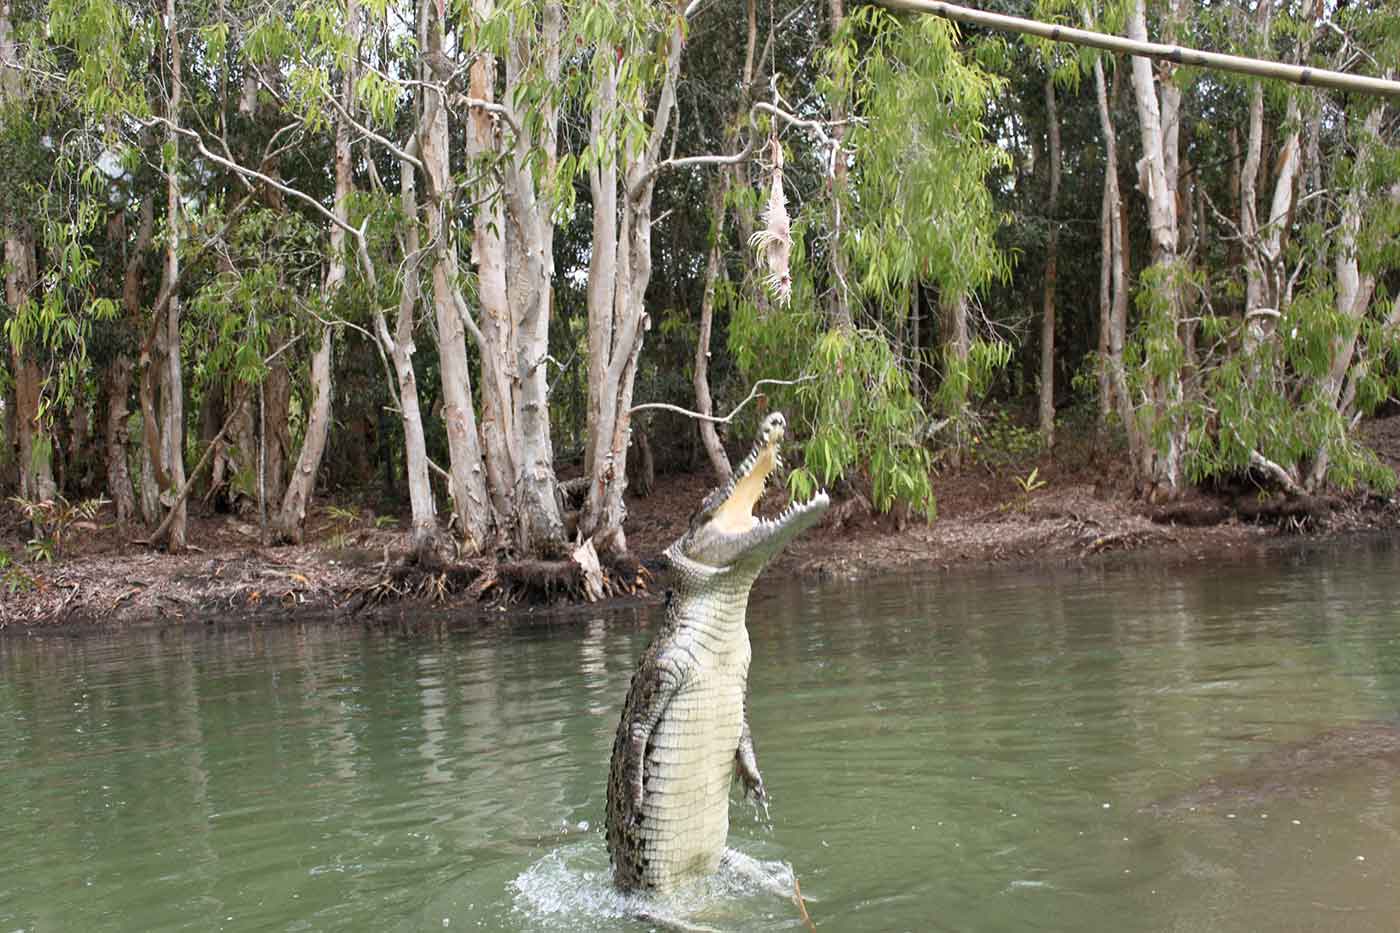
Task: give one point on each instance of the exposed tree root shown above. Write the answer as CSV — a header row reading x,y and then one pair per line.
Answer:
x,y
1286,511
505,583
1296,510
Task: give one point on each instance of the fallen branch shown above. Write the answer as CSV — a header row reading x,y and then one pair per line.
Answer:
x,y
162,532
797,899
1277,473
1179,55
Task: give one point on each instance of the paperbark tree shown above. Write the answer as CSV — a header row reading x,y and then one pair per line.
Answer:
x,y
1354,287
513,248
290,522
119,374
1263,243
1159,121
1052,246
714,261
622,179
1113,282
166,355
399,346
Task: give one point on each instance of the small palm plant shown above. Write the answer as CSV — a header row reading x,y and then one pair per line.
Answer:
x,y
1028,484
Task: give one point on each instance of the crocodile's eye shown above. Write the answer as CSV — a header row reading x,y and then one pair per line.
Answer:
x,y
707,508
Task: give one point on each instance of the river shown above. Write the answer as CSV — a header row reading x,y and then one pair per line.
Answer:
x,y
969,751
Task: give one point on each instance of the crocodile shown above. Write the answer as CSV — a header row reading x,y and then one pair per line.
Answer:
x,y
684,729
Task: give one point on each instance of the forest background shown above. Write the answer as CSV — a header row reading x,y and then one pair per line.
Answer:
x,y
462,260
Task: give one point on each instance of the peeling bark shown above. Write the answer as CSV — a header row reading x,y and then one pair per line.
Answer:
x,y
1159,123
1354,288
169,375
477,512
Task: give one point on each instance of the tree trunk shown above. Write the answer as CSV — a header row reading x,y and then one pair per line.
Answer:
x,y
700,376
538,523
34,450
498,347
32,442
119,374
1159,122
471,496
290,523
211,420
641,467
1113,303
1353,287
1106,261
423,534
170,378
9,456
1052,245
275,452
839,313
709,435
118,473
620,270
1254,292
243,459
150,480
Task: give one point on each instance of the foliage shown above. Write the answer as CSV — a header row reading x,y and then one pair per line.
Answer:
x,y
916,177
918,213
920,210
1000,441
12,577
54,520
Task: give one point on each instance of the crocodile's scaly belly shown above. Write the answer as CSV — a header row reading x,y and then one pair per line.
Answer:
x,y
689,766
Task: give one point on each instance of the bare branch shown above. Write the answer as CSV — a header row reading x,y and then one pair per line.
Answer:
x,y
490,107
753,393
688,161
371,134
246,172
818,126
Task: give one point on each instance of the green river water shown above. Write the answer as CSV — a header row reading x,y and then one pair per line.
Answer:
x,y
1007,751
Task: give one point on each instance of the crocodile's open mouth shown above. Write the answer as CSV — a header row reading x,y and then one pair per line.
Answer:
x,y
735,515
725,533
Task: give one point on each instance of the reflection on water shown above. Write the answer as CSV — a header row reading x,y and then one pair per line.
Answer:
x,y
1129,748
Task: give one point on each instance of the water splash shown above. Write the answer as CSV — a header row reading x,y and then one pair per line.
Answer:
x,y
570,888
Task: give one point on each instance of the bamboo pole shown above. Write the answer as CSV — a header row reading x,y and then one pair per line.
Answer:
x,y
1314,77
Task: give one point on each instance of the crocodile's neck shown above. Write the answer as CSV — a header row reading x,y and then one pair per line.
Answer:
x,y
710,602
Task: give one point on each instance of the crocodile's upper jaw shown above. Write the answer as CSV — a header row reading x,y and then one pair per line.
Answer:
x,y
725,534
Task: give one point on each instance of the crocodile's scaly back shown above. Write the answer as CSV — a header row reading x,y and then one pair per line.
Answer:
x,y
683,730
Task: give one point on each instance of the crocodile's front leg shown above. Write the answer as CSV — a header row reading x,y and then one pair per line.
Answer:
x,y
670,674
747,765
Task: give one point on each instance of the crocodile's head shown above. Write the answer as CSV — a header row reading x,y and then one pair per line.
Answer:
x,y
725,535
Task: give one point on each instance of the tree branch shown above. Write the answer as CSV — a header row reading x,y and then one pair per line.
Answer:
x,y
753,393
